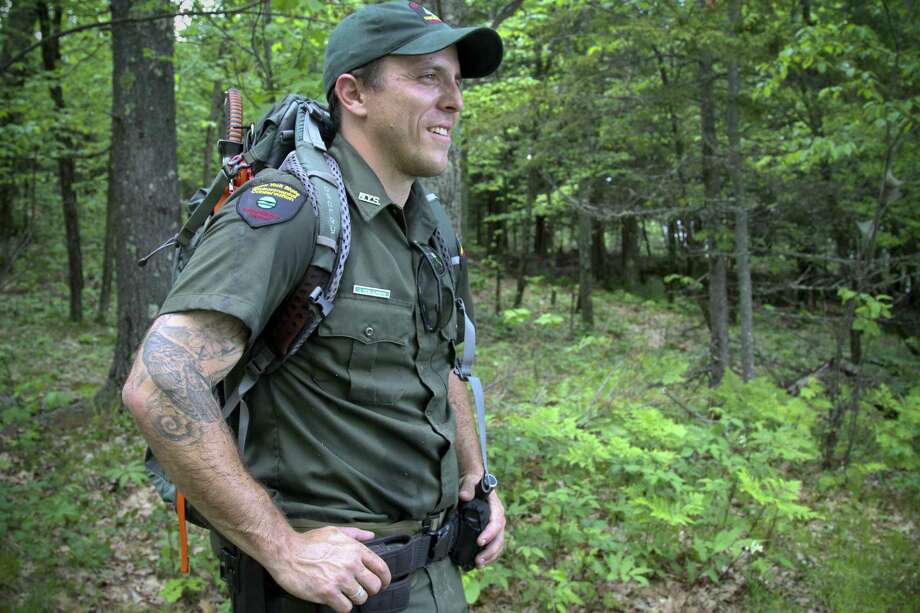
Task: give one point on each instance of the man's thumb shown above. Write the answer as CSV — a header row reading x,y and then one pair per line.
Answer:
x,y
467,491
358,534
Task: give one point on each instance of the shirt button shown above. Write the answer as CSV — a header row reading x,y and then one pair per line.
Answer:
x,y
369,332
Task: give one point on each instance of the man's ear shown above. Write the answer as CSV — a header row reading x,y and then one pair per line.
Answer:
x,y
351,95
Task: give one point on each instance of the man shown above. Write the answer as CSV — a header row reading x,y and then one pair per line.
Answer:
x,y
353,437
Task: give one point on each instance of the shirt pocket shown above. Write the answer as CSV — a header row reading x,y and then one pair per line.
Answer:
x,y
365,345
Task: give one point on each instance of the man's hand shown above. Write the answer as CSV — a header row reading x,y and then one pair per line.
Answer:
x,y
330,566
492,538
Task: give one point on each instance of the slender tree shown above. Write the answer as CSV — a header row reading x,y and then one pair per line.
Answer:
x,y
108,246
16,30
50,22
718,285
585,274
735,171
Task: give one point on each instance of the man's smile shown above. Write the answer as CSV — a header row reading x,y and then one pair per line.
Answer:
x,y
440,131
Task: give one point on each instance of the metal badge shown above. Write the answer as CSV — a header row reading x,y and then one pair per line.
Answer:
x,y
365,197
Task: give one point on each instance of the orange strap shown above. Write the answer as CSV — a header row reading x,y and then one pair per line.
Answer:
x,y
183,534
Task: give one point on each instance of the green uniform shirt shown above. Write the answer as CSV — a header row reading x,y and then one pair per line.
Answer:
x,y
356,426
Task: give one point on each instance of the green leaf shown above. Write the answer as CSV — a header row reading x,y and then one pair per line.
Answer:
x,y
172,590
471,588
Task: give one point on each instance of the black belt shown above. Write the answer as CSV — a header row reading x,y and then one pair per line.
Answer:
x,y
403,554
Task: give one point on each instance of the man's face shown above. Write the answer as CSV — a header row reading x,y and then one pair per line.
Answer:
x,y
411,115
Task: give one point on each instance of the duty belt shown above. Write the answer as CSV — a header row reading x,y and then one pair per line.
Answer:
x,y
403,554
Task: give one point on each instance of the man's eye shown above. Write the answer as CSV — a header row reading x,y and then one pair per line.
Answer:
x,y
428,76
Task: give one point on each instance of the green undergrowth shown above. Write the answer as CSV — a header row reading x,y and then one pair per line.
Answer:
x,y
624,472
627,480
80,528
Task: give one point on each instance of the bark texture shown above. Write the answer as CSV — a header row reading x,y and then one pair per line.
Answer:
x,y
629,256
50,22
16,30
718,290
447,184
585,274
735,171
108,249
144,186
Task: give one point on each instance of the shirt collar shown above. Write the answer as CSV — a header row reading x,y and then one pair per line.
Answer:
x,y
369,197
361,183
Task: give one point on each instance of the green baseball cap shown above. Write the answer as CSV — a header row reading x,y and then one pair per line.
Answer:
x,y
406,28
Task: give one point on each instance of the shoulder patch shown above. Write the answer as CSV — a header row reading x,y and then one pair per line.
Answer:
x,y
270,203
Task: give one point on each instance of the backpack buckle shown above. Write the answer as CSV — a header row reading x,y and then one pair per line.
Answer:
x,y
234,165
318,298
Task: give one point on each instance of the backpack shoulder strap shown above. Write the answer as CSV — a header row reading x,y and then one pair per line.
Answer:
x,y
449,242
311,300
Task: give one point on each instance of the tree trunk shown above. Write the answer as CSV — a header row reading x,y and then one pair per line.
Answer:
x,y
682,182
67,176
498,290
671,240
16,31
145,186
108,249
742,251
447,184
51,55
598,252
467,221
585,274
526,240
718,290
268,70
629,256
539,242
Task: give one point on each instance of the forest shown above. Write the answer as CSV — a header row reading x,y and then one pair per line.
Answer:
x,y
693,228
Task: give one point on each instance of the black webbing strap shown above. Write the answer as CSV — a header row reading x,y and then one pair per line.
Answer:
x,y
203,210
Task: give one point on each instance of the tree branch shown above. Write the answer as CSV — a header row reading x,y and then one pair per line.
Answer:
x,y
247,9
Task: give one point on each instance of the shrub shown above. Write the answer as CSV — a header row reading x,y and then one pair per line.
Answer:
x,y
610,491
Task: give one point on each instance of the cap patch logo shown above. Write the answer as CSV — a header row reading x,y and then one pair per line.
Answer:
x,y
266,202
429,17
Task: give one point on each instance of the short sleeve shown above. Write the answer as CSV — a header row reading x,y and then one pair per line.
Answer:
x,y
246,263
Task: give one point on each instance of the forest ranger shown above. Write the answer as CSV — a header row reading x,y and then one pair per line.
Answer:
x,y
353,437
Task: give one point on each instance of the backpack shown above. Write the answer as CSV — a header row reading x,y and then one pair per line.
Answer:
x,y
292,136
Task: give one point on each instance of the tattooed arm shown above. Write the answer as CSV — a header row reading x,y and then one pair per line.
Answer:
x,y
169,394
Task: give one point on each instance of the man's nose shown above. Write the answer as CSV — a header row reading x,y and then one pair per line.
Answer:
x,y
452,97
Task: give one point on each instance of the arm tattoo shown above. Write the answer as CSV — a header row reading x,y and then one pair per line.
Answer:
x,y
177,372
184,363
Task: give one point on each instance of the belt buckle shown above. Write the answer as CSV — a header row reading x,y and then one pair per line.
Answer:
x,y
441,541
